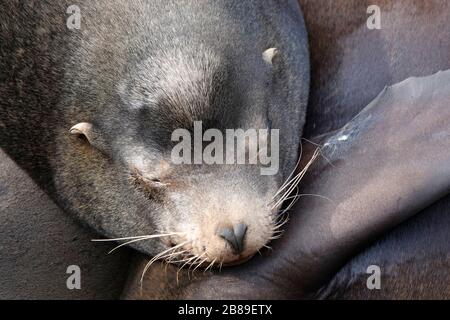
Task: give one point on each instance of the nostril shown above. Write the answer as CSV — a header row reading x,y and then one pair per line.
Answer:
x,y
228,234
235,237
239,231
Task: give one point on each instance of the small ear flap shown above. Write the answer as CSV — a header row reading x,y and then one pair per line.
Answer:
x,y
269,54
83,128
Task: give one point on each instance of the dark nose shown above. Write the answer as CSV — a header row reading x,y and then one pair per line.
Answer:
x,y
234,236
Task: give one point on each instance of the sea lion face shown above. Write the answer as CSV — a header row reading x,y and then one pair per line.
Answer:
x,y
197,212
216,212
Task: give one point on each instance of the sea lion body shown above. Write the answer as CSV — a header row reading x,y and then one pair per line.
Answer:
x,y
41,245
133,73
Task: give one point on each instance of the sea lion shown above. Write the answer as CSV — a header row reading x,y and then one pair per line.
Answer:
x,y
88,112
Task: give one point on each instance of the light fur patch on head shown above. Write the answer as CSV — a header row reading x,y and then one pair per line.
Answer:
x,y
183,81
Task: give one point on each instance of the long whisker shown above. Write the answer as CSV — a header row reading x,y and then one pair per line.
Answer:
x,y
281,223
290,175
187,262
141,239
137,240
290,186
158,256
275,237
310,162
179,261
321,153
174,255
118,239
199,265
312,142
315,195
169,259
169,253
195,261
291,204
137,237
293,201
298,196
124,244
211,264
295,181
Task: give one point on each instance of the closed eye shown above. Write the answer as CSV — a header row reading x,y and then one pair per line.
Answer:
x,y
156,182
146,184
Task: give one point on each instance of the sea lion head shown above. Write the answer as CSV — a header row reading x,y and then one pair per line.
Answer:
x,y
121,176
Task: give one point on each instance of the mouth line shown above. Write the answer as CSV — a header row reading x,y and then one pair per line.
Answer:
x,y
217,264
238,262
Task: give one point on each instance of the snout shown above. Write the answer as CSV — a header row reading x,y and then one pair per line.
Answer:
x,y
225,230
229,243
234,236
